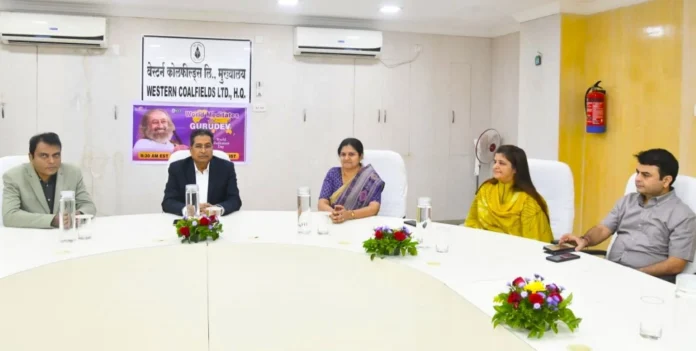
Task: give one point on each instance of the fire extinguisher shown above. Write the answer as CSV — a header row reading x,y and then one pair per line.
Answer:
x,y
595,109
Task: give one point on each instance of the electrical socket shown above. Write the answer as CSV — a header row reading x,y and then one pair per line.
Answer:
x,y
259,107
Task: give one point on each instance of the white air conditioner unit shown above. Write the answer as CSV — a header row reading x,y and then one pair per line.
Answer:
x,y
332,41
37,28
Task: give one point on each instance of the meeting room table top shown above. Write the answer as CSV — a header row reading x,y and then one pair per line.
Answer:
x,y
264,286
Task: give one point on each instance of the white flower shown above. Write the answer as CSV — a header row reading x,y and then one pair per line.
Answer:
x,y
194,223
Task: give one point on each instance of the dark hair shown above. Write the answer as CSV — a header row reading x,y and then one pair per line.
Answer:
x,y
665,162
355,143
201,132
522,180
46,138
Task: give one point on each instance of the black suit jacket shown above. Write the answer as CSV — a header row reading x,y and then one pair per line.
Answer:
x,y
222,185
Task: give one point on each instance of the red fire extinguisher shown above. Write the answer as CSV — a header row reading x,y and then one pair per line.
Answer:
x,y
595,109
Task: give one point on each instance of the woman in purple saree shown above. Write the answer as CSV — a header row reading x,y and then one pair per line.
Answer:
x,y
351,191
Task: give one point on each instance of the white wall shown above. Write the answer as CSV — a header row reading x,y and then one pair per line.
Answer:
x,y
539,91
74,92
506,86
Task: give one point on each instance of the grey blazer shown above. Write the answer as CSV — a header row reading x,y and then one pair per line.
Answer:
x,y
24,204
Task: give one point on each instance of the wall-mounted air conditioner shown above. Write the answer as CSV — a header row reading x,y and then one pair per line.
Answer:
x,y
332,41
37,28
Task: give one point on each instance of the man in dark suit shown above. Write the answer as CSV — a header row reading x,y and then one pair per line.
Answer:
x,y
215,177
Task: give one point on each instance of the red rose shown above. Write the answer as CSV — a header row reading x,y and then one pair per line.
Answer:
x,y
514,297
213,219
536,298
184,231
379,235
517,281
400,236
204,221
560,298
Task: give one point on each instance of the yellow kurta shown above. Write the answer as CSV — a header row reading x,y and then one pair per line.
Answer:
x,y
498,208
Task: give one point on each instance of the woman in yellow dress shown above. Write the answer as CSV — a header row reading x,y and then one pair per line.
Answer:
x,y
508,202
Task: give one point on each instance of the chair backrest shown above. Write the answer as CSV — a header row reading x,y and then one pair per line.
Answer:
x,y
182,154
684,188
554,181
392,170
7,163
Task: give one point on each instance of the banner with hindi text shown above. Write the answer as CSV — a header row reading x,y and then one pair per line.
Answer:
x,y
195,70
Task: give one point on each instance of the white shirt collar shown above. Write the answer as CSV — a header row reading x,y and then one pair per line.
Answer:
x,y
206,171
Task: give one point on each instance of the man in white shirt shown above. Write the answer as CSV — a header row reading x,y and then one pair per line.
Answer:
x,y
157,130
215,177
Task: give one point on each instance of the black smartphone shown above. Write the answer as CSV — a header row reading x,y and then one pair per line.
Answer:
x,y
559,249
562,257
412,223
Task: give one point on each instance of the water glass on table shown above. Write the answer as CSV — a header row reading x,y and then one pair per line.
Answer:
x,y
216,211
651,315
442,238
84,226
323,222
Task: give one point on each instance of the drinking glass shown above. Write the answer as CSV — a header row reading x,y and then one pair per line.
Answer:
x,y
323,223
84,226
216,211
651,310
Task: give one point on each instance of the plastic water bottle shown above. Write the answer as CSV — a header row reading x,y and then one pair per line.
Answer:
x,y
423,219
66,216
304,211
684,319
192,203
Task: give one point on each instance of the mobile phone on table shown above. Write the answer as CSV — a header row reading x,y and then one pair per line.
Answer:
x,y
412,223
562,257
559,249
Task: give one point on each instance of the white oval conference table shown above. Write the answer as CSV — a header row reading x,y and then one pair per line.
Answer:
x,y
262,286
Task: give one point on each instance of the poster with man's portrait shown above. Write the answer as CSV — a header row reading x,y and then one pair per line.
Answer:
x,y
162,129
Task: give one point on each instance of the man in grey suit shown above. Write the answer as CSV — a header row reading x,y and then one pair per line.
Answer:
x,y
32,191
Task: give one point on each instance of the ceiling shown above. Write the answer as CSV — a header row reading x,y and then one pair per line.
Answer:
x,y
482,18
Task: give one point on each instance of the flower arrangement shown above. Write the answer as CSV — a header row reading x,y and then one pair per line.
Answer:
x,y
388,241
195,229
535,306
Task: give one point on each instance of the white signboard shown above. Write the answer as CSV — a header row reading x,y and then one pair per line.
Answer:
x,y
194,70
